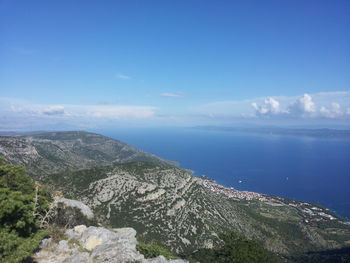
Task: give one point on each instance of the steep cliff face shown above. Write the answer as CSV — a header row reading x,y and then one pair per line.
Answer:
x,y
56,152
165,203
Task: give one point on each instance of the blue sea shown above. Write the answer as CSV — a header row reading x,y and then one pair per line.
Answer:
x,y
302,168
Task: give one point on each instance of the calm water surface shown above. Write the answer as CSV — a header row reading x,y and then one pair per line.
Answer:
x,y
308,169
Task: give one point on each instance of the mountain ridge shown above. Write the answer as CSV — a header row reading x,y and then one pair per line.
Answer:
x,y
166,203
54,152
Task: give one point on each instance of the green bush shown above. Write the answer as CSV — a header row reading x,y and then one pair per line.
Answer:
x,y
338,255
68,217
57,233
21,201
153,250
235,249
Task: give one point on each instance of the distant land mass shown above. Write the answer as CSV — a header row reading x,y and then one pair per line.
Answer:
x,y
19,133
165,203
54,152
318,133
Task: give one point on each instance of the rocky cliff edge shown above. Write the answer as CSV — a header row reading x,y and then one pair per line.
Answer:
x,y
95,245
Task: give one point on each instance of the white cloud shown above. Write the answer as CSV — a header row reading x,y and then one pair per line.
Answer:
x,y
332,105
57,110
25,109
323,107
122,76
333,112
173,95
302,106
270,106
71,111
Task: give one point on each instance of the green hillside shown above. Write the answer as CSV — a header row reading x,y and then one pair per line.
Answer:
x,y
166,204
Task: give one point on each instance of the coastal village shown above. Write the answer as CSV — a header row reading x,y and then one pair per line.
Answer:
x,y
312,215
231,192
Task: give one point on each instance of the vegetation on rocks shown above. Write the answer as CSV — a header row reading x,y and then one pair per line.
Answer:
x,y
178,210
57,152
153,250
235,249
128,188
22,208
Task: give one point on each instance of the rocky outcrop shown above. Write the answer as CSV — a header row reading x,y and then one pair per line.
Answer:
x,y
83,208
95,245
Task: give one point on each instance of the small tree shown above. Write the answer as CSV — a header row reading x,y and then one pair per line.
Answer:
x,y
21,205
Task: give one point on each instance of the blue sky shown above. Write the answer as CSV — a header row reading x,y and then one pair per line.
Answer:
x,y
81,64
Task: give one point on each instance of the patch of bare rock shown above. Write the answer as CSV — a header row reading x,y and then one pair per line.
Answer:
x,y
95,245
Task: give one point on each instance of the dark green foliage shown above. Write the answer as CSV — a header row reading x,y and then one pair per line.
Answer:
x,y
152,250
235,249
72,182
341,255
16,213
68,217
76,182
12,177
19,231
296,240
14,248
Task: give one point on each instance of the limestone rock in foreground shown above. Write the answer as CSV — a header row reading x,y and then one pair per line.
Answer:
x,y
95,245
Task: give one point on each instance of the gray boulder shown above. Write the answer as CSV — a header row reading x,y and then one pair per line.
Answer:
x,y
162,259
95,245
79,258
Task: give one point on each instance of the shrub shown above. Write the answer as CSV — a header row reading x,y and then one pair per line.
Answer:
x,y
20,203
235,249
153,250
68,217
57,233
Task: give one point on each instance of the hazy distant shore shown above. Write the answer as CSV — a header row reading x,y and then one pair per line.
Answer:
x,y
318,133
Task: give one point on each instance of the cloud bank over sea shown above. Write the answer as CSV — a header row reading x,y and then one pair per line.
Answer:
x,y
321,108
